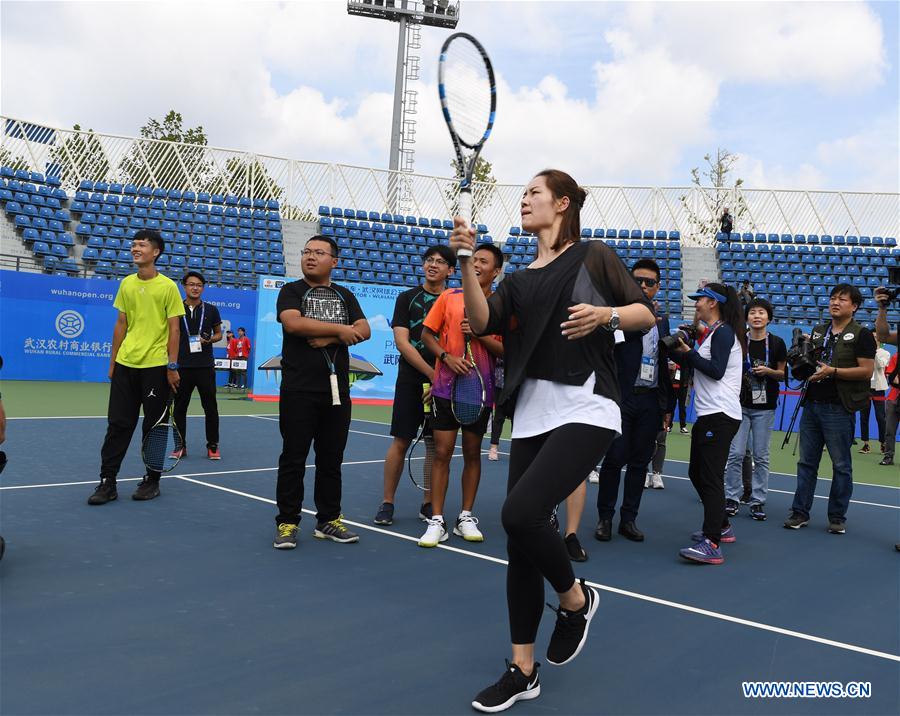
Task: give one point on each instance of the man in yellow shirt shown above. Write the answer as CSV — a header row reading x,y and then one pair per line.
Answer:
x,y
143,363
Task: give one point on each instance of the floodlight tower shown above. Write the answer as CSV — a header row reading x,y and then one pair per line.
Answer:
x,y
409,14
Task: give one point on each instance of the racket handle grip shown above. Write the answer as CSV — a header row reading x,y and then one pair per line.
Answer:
x,y
465,211
335,395
425,388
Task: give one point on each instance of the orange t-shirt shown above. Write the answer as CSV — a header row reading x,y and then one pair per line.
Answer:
x,y
444,320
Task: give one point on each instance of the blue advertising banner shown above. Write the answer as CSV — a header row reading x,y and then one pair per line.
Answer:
x,y
60,328
377,303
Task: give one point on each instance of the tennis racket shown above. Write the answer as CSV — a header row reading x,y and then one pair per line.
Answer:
x,y
158,450
467,396
323,303
469,101
421,453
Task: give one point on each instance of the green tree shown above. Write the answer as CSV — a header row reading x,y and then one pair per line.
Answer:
x,y
168,155
483,182
714,193
81,156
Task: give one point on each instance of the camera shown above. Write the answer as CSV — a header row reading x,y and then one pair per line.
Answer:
x,y
801,357
686,332
893,290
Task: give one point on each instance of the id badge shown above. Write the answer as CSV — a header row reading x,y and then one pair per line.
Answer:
x,y
194,344
647,369
760,394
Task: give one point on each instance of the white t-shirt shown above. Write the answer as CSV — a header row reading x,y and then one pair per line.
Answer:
x,y
543,406
879,380
724,395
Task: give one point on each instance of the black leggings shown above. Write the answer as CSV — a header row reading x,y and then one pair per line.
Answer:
x,y
710,442
497,424
543,471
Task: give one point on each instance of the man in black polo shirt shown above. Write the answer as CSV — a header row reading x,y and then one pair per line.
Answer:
x,y
306,414
201,326
836,391
647,404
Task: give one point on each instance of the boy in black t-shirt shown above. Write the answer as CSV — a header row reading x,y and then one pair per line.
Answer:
x,y
763,371
306,414
201,326
416,369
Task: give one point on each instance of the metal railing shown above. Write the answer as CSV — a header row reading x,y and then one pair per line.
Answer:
x,y
302,186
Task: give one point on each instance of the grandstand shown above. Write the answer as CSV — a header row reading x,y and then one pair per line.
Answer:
x,y
62,215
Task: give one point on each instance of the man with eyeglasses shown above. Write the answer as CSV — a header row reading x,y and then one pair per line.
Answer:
x,y
306,414
647,405
201,326
415,371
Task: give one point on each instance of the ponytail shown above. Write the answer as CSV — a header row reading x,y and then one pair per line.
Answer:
x,y
732,313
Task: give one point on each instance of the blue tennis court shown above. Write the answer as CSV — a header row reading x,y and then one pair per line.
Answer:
x,y
182,606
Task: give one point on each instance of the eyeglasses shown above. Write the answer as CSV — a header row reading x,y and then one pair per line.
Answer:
x,y
648,282
318,253
434,261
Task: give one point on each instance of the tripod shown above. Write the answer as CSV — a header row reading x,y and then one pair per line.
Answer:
x,y
790,430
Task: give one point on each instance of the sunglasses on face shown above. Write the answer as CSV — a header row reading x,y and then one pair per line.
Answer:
x,y
648,282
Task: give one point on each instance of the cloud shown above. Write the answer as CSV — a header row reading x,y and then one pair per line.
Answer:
x,y
869,158
304,80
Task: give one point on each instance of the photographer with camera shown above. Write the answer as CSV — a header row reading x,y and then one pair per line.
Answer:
x,y
718,366
883,332
845,354
764,369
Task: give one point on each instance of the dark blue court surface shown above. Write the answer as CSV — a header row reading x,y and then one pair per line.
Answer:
x,y
182,606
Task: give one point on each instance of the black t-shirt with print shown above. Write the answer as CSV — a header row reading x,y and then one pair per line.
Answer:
x,y
756,352
304,368
410,310
190,325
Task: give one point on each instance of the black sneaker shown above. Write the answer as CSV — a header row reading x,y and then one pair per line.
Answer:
x,y
745,498
425,512
513,686
571,628
837,527
147,489
574,548
887,460
731,507
758,511
385,514
105,492
796,521
285,536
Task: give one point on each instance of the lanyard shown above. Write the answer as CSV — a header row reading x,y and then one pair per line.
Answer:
x,y
766,339
187,328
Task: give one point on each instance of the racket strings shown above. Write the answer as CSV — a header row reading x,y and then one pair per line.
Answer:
x,y
158,445
467,91
468,397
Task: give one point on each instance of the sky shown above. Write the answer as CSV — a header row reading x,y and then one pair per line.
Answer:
x,y
805,94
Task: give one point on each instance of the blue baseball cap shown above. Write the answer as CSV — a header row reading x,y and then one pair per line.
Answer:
x,y
707,292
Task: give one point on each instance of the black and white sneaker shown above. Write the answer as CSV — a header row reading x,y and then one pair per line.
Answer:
x,y
513,686
571,628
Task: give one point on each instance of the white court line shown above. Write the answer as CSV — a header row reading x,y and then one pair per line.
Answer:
x,y
614,590
102,417
196,474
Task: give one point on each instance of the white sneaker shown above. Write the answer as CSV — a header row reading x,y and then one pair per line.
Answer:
x,y
648,480
657,482
493,456
594,477
467,528
434,533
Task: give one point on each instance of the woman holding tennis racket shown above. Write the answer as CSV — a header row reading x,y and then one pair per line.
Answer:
x,y
557,320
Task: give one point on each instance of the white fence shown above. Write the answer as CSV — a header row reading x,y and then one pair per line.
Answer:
x,y
301,187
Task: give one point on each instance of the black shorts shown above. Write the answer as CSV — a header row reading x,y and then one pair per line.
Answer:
x,y
444,419
409,410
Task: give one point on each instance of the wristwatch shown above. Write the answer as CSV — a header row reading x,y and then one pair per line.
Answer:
x,y
613,324
172,366
442,356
